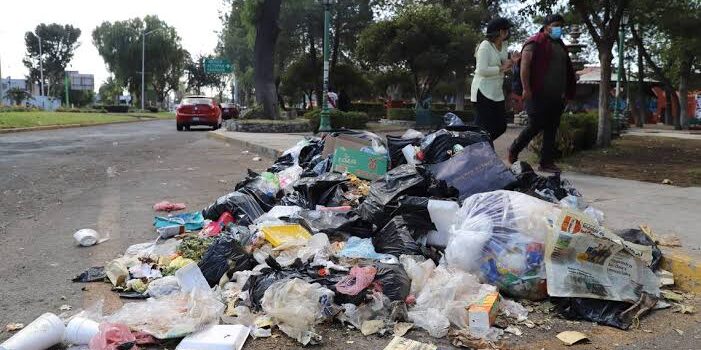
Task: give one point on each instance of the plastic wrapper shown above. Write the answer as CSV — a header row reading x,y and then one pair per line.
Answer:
x,y
288,177
358,279
393,281
113,336
500,236
227,253
296,306
191,221
405,179
242,206
172,316
163,286
361,248
476,169
418,272
400,236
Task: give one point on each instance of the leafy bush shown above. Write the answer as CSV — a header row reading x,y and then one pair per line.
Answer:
x,y
374,110
255,112
339,119
577,133
18,109
401,114
152,109
116,108
81,110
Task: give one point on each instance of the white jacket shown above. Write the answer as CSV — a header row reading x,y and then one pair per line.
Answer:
x,y
487,77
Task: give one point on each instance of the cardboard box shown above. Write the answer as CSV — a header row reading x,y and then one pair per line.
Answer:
x,y
361,164
483,313
333,142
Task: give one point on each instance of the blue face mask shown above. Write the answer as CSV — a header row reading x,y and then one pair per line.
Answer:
x,y
556,33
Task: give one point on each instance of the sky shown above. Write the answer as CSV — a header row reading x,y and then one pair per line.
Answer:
x,y
197,23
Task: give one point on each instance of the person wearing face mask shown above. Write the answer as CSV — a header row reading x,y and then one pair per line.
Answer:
x,y
548,79
486,92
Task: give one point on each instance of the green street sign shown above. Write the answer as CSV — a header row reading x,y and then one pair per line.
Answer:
x,y
217,65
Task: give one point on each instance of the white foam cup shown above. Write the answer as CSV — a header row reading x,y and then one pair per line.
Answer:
x,y
80,330
44,332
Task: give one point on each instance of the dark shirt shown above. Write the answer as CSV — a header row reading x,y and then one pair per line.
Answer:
x,y
555,79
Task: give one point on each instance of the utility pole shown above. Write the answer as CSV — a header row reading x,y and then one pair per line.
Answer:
x,y
143,62
325,122
41,72
619,73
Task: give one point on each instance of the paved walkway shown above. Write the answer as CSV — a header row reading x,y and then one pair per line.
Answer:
x,y
677,134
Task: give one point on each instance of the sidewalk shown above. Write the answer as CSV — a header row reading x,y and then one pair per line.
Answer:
x,y
626,203
678,134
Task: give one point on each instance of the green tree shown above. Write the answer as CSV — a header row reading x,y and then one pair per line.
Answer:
x,y
110,91
18,95
197,78
120,44
58,44
421,40
79,98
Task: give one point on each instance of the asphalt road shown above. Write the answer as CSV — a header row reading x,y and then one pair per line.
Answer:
x,y
53,183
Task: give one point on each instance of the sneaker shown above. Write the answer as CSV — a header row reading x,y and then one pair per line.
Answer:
x,y
513,157
549,168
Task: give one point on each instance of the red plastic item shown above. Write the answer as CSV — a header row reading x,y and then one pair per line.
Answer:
x,y
168,206
214,228
420,155
111,336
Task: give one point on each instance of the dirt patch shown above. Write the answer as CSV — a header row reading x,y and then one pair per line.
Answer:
x,y
642,158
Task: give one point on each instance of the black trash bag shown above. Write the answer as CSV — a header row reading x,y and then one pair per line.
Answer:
x,y
241,205
395,145
93,274
637,236
450,119
402,180
226,254
415,206
309,152
282,163
321,189
617,314
393,280
256,285
548,188
295,199
400,235
264,201
441,148
476,169
332,223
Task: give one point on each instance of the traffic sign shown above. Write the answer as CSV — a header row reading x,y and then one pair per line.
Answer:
x,y
217,65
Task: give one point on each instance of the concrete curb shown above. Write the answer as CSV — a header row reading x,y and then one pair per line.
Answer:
x,y
686,268
68,126
258,149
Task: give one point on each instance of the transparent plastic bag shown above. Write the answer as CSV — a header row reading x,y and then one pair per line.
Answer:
x,y
412,134
287,177
419,272
295,307
163,286
432,320
500,236
172,316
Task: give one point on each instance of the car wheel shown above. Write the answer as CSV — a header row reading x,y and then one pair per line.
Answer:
x,y
187,127
179,127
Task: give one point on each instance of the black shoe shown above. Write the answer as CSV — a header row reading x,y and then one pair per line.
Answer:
x,y
549,168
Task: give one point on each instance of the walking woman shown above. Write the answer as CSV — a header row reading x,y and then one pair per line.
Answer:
x,y
487,85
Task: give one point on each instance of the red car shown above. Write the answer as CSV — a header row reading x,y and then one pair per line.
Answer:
x,y
198,110
229,111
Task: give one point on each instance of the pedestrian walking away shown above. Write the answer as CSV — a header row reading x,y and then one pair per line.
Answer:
x,y
548,79
487,86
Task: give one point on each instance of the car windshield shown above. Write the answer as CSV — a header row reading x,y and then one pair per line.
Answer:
x,y
196,101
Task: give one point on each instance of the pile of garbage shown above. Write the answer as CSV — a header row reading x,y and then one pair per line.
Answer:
x,y
427,231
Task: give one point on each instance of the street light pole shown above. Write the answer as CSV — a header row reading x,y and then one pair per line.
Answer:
x,y
41,71
325,122
619,72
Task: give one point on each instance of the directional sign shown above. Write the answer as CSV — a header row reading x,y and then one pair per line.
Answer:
x,y
217,65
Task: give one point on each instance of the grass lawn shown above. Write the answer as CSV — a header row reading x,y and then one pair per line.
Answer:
x,y
9,120
643,158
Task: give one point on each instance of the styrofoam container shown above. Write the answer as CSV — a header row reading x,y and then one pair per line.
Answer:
x,y
219,337
86,237
80,330
44,332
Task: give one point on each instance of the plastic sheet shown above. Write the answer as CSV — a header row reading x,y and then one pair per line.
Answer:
x,y
226,254
361,248
191,221
242,206
171,316
392,281
500,236
163,286
321,190
476,169
288,177
395,146
296,307
358,279
400,236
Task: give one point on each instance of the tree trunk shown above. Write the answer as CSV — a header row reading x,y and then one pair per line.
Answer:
x,y
336,44
603,136
642,113
313,58
668,92
684,72
461,77
264,53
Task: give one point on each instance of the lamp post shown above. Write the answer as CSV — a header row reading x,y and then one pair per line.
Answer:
x,y
41,71
325,123
143,62
619,72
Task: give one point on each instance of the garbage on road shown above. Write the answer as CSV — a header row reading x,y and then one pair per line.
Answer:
x,y
88,237
427,232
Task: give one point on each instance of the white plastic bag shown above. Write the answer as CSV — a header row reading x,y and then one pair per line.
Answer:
x,y
288,177
419,272
163,286
295,307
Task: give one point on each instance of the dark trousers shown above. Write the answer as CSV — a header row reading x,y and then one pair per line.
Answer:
x,y
543,115
491,116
